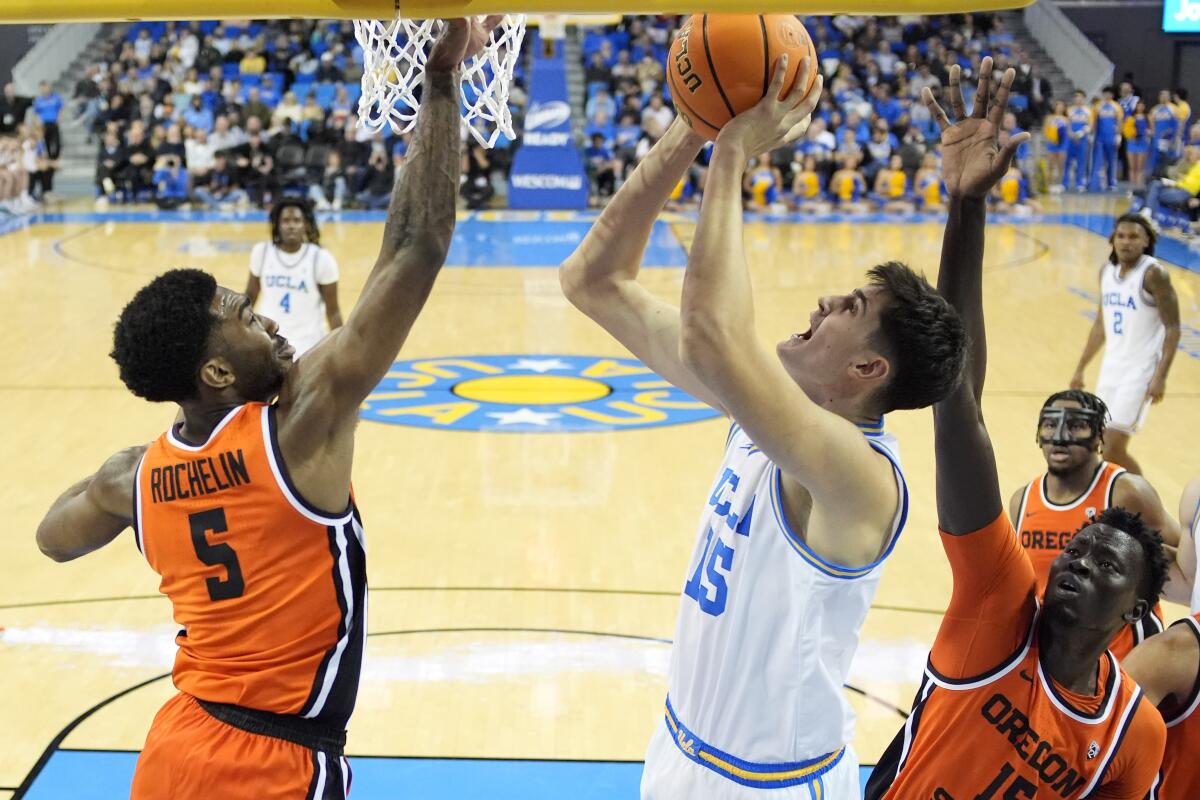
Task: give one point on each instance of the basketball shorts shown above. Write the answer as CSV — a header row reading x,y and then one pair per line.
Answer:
x,y
191,755
1124,392
670,775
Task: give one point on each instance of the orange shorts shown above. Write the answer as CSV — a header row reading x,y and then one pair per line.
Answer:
x,y
191,755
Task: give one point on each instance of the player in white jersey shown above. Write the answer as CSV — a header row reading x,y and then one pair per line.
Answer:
x,y
809,499
1137,323
293,279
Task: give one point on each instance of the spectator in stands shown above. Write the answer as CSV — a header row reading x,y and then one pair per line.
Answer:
x,y
623,68
601,102
377,180
257,163
1180,191
198,116
656,117
650,73
199,157
111,161
597,71
341,108
170,182
223,186
139,162
330,191
880,148
225,134
288,114
172,144
86,99
923,79
253,63
601,168
269,92
327,70
12,110
256,108
48,106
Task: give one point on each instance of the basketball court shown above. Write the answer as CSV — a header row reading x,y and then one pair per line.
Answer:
x,y
529,491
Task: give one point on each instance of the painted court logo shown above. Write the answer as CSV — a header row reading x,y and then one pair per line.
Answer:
x,y
545,393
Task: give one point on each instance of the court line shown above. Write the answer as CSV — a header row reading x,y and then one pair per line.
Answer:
x,y
514,589
53,746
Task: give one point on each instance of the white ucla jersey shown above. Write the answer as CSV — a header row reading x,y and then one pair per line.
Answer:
x,y
1133,329
1196,544
767,628
290,292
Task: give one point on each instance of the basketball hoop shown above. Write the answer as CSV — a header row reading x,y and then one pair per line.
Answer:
x,y
394,55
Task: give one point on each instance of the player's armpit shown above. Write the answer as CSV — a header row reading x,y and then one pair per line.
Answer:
x,y
992,604
1134,768
94,511
1165,665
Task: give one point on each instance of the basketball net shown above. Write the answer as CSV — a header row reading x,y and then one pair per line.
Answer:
x,y
394,55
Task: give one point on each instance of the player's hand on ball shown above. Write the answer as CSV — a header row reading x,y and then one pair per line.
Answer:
x,y
461,39
972,159
775,121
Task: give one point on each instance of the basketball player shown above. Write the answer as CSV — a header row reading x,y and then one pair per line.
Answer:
x,y
1018,700
295,277
1168,669
1078,484
1137,323
245,508
809,500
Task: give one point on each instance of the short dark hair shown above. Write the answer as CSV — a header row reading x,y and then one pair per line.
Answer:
x,y
1135,219
1155,562
922,337
1085,399
162,335
311,231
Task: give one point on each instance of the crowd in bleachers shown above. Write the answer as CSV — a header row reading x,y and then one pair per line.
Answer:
x,y
1122,135
872,144
236,112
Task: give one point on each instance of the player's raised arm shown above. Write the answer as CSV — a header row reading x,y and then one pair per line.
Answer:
x,y
968,490
416,240
94,511
600,277
824,452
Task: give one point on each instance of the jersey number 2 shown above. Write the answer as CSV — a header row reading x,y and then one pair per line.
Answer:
x,y
213,554
1118,323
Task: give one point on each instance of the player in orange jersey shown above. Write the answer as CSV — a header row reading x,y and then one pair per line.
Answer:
x,y
1168,669
1077,485
244,506
1017,700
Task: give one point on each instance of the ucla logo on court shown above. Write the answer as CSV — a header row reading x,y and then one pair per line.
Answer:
x,y
544,393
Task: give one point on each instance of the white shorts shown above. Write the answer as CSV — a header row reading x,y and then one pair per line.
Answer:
x,y
1124,392
670,775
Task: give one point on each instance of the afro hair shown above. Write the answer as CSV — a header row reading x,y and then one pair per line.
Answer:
x,y
1154,559
162,335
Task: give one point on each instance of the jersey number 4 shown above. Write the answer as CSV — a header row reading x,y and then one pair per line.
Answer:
x,y
217,554
286,303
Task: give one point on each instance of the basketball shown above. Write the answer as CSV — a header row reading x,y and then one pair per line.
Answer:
x,y
722,64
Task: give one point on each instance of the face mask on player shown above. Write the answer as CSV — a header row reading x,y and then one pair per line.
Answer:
x,y
1063,427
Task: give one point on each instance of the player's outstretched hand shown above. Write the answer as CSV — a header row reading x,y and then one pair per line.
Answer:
x,y
777,119
972,159
460,39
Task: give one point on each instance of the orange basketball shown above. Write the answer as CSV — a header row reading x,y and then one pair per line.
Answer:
x,y
722,64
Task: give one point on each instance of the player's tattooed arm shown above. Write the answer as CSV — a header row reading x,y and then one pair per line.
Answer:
x,y
1158,284
968,487
94,511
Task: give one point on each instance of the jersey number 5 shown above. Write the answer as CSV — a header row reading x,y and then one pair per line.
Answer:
x,y
213,554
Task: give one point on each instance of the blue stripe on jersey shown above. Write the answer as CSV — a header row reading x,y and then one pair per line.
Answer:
x,y
828,567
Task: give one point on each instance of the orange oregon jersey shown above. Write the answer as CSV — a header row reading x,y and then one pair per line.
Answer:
x,y
1046,527
993,725
1180,775
270,591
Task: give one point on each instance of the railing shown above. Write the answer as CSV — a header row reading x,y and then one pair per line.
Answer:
x,y
52,54
1081,61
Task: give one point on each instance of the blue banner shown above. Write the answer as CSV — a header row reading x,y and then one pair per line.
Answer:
x,y
1181,16
547,171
